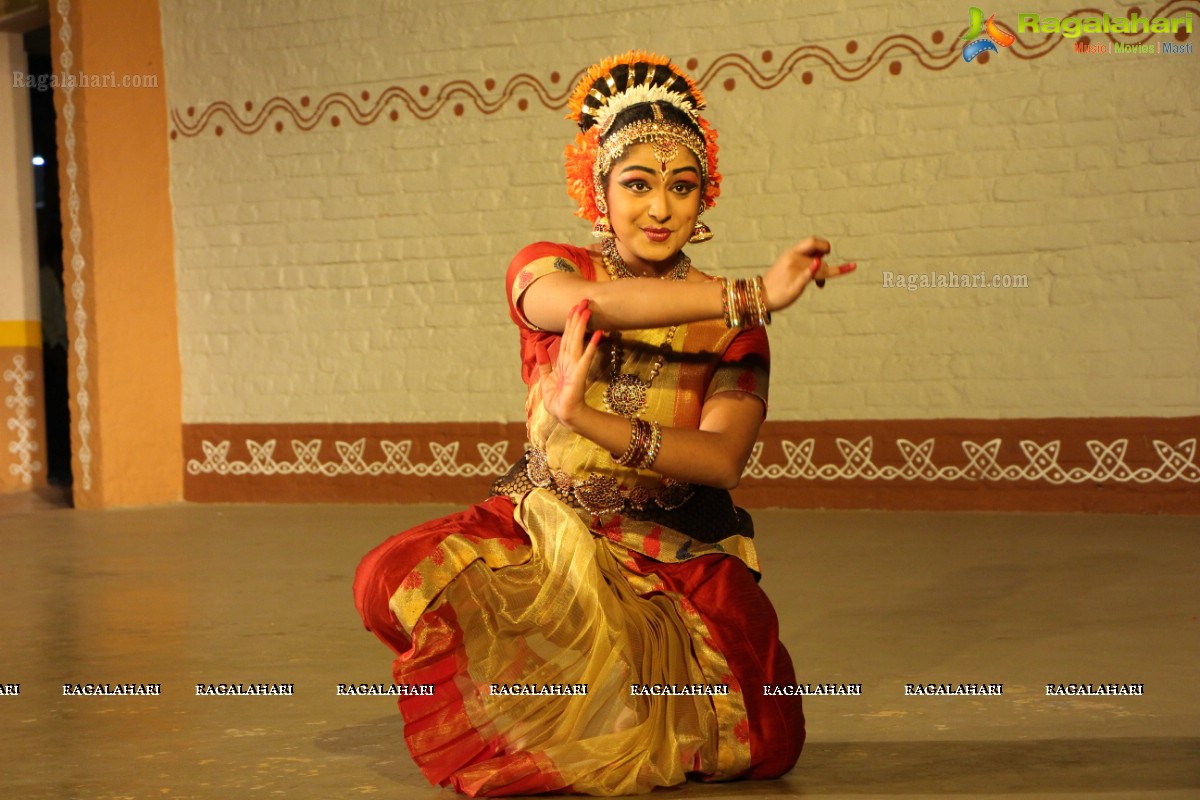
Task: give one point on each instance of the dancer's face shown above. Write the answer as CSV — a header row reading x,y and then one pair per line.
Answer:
x,y
653,206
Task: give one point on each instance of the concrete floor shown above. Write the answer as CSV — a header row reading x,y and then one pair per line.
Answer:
x,y
191,594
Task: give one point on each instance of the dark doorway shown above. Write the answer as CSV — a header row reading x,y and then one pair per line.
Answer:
x,y
50,259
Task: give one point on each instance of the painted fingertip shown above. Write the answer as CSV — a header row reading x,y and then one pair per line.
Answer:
x,y
844,268
596,337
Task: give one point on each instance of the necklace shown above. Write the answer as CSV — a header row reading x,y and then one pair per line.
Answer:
x,y
627,394
617,268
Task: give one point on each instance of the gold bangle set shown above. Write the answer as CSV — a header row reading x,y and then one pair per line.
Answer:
x,y
645,439
744,303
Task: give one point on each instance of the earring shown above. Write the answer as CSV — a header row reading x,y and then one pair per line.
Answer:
x,y
700,233
602,230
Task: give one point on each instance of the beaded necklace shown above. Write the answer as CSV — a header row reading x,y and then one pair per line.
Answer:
x,y
617,268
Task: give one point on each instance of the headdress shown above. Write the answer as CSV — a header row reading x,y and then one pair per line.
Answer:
x,y
622,82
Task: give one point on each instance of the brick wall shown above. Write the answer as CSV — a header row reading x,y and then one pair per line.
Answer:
x,y
350,180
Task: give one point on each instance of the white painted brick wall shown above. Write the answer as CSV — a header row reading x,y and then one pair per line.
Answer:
x,y
356,273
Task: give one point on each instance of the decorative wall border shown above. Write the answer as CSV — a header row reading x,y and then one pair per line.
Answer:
x,y
22,421
1177,462
80,414
367,108
1122,464
308,459
1042,463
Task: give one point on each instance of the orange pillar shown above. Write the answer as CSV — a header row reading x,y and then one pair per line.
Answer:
x,y
119,269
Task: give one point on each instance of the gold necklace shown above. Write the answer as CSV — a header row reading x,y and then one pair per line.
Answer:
x,y
627,394
616,267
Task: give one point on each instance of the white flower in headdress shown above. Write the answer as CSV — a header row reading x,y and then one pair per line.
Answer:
x,y
642,94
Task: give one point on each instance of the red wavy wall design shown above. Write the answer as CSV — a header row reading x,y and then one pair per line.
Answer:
x,y
766,70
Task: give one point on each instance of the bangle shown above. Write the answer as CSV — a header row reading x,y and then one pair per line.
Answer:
x,y
639,440
645,440
743,303
727,304
760,296
655,445
739,302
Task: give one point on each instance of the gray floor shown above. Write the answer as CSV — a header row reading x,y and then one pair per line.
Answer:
x,y
190,594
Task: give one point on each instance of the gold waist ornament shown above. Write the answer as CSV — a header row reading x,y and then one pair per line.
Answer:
x,y
602,494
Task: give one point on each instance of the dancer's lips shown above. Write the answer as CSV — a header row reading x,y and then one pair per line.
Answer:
x,y
657,234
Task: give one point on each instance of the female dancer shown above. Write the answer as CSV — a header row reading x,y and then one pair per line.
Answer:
x,y
596,625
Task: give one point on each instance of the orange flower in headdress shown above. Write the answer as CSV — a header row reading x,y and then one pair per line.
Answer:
x,y
581,157
712,187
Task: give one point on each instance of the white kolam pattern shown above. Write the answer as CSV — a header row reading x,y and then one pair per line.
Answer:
x,y
1177,462
21,421
397,460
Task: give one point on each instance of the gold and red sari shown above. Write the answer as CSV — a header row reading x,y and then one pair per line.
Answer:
x,y
590,628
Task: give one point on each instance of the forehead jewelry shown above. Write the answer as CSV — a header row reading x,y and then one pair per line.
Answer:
x,y
665,150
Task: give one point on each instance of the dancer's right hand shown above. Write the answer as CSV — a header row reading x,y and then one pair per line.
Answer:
x,y
564,384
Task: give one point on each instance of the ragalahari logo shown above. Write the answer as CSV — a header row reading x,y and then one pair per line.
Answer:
x,y
995,36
